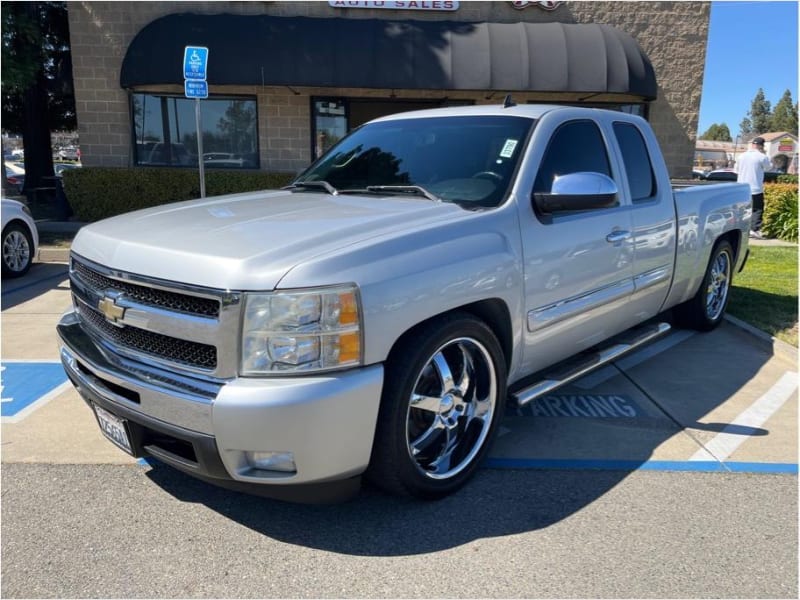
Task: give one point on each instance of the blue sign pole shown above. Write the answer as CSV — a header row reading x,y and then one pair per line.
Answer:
x,y
195,63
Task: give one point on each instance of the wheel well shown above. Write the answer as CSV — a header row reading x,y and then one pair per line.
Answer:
x,y
493,312
20,222
734,239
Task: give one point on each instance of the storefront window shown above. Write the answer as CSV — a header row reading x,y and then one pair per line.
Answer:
x,y
166,134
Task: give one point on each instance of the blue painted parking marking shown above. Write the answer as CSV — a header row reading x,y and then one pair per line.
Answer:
x,y
24,386
636,465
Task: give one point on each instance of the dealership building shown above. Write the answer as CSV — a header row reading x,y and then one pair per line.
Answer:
x,y
287,79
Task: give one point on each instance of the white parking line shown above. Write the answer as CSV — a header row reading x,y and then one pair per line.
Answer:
x,y
725,443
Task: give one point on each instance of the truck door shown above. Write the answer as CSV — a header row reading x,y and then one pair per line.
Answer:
x,y
653,215
578,264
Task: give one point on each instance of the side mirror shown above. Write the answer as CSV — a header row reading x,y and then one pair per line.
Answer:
x,y
578,191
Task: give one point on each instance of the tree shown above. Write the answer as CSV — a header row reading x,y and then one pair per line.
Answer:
x,y
784,117
760,113
238,126
717,133
36,80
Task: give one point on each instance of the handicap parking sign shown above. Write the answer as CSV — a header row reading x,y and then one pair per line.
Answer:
x,y
195,61
26,385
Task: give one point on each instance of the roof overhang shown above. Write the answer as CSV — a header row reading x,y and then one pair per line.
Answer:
x,y
373,53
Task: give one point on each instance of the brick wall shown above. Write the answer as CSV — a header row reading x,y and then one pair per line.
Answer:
x,y
672,34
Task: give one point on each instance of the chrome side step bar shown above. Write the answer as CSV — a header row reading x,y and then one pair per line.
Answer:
x,y
572,370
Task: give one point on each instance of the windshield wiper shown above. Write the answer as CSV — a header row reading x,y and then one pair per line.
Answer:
x,y
404,189
320,185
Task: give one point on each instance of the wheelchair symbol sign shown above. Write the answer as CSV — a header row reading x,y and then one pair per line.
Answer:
x,y
195,62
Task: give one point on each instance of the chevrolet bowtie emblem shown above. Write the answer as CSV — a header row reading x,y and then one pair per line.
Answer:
x,y
112,312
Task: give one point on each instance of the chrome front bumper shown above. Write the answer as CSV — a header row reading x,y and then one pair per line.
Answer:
x,y
205,427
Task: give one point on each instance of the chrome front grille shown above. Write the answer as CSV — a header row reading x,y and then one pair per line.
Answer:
x,y
156,345
185,303
182,328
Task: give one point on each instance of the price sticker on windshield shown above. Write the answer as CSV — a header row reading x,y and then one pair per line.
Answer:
x,y
508,149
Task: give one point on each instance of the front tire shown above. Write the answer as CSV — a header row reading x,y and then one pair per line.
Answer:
x,y
17,250
705,311
443,399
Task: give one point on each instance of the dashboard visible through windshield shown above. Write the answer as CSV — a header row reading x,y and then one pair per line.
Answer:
x,y
468,160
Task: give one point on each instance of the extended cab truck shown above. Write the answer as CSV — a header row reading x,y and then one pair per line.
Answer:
x,y
375,316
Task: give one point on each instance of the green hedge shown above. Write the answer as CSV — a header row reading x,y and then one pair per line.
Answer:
x,y
780,211
787,179
98,192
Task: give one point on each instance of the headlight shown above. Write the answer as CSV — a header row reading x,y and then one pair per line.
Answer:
x,y
303,330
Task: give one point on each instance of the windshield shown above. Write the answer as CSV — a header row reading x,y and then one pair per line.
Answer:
x,y
467,160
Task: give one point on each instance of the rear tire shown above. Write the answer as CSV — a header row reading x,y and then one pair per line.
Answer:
x,y
17,250
706,310
443,399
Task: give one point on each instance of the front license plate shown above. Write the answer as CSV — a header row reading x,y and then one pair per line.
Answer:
x,y
113,428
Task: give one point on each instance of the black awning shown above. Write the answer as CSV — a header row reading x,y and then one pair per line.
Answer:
x,y
372,53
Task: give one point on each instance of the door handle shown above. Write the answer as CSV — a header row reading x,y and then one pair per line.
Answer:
x,y
618,236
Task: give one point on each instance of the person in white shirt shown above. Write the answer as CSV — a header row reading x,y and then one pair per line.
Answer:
x,y
750,168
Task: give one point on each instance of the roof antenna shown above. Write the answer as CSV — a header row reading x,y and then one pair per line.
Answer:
x,y
508,102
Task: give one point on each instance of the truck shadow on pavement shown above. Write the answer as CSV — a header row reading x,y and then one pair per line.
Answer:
x,y
494,503
684,384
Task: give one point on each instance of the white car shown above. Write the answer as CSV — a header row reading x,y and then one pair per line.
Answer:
x,y
20,238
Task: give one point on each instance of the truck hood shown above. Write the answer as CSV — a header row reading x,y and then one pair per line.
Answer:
x,y
249,241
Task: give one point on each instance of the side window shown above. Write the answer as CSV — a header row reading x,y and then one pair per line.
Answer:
x,y
641,178
575,146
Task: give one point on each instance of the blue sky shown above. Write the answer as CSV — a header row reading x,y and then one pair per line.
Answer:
x,y
751,45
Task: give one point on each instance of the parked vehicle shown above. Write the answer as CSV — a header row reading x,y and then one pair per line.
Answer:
x,y
59,168
15,174
222,160
375,317
169,154
731,175
69,153
20,238
721,175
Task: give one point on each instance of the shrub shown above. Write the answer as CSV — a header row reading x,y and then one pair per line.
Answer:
x,y
787,179
98,192
780,211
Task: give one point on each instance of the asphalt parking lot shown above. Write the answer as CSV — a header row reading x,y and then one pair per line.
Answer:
x,y
695,430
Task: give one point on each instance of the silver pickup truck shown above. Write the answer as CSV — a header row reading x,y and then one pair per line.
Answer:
x,y
375,317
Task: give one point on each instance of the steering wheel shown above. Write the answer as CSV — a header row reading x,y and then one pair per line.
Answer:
x,y
487,175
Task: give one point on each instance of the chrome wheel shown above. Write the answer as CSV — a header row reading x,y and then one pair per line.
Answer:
x,y
16,251
451,409
444,394
718,285
705,310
